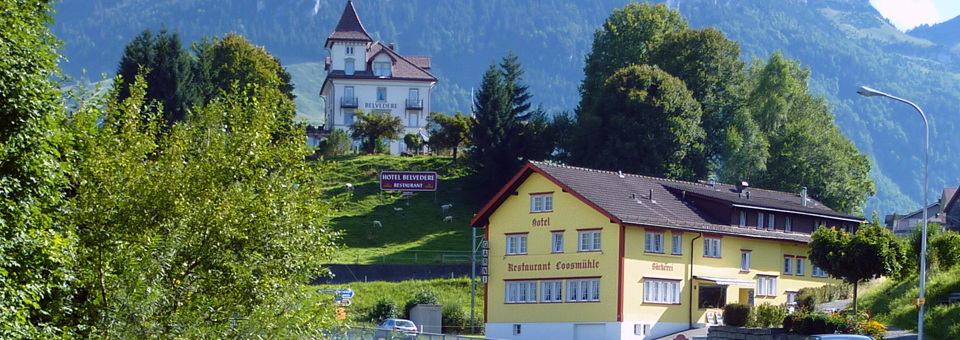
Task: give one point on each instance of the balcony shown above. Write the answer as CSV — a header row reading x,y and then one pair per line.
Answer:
x,y
415,104
349,102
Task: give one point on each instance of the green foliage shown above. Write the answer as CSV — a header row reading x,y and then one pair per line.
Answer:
x,y
811,297
947,249
455,318
375,129
448,132
422,297
737,315
36,247
413,142
385,308
892,302
337,143
769,316
183,229
496,153
168,68
642,98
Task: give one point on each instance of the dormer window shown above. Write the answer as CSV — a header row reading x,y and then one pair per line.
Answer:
x,y
348,67
349,50
381,68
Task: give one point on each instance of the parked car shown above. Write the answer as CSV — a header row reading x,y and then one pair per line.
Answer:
x,y
396,326
839,337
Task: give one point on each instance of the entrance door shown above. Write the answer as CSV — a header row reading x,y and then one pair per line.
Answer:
x,y
589,331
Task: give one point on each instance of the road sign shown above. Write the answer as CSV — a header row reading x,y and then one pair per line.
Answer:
x,y
483,261
483,270
326,291
345,293
342,313
408,180
484,244
344,302
483,279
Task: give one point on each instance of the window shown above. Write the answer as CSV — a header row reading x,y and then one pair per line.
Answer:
x,y
788,265
381,93
767,286
551,291
661,291
677,244
787,226
521,292
349,50
541,203
348,118
743,218
712,296
771,225
348,67
653,242
759,220
413,120
589,240
381,68
791,298
348,92
801,264
745,260
583,290
817,272
557,242
516,244
516,329
414,94
711,247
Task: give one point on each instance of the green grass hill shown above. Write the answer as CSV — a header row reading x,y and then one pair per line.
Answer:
x,y
891,303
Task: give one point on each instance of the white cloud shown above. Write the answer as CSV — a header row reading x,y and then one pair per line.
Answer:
x,y
907,14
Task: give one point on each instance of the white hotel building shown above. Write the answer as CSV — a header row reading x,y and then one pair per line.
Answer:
x,y
366,75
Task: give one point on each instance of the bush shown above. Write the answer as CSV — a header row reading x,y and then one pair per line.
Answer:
x,y
875,329
337,143
811,297
946,248
423,297
737,315
769,316
385,308
455,318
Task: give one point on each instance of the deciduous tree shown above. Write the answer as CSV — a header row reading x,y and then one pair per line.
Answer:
x,y
448,132
370,127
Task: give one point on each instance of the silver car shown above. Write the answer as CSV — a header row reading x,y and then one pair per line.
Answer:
x,y
396,326
839,337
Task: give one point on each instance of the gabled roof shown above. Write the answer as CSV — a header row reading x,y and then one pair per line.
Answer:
x,y
403,69
421,61
656,202
951,203
947,197
349,28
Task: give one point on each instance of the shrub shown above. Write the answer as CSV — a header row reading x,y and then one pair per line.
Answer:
x,y
946,248
423,297
455,318
385,308
337,143
769,316
811,297
737,315
875,329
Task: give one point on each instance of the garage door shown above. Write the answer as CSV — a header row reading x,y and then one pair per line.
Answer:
x,y
588,331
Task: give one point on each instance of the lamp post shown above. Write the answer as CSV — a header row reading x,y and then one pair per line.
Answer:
x,y
868,92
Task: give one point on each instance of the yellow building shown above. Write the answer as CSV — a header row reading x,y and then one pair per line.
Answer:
x,y
578,253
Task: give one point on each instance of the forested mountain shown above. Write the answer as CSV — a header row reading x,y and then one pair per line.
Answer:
x,y
846,43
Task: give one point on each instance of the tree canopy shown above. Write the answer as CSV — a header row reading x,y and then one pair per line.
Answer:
x,y
374,126
448,132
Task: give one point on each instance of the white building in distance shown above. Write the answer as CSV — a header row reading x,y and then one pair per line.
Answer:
x,y
366,75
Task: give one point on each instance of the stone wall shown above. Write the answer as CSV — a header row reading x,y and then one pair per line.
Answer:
x,y
738,333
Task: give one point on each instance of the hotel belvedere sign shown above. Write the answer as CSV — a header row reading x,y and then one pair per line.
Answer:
x,y
408,180
380,105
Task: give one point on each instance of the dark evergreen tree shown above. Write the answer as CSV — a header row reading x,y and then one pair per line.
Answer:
x,y
512,77
168,69
496,154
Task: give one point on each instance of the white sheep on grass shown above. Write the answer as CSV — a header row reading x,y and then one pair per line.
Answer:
x,y
397,209
448,219
376,224
446,207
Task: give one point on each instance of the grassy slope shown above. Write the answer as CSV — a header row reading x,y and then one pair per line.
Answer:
x,y
417,234
892,303
307,78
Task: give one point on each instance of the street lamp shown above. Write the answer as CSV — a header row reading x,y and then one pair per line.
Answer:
x,y
868,92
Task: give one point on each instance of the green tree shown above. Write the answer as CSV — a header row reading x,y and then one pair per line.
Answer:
x,y
644,121
448,132
219,217
373,126
871,252
413,142
234,59
513,77
496,153
337,143
36,249
169,71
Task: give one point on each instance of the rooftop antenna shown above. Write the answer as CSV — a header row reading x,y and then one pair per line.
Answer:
x,y
620,174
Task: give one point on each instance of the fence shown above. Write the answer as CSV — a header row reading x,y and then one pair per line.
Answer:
x,y
416,257
368,333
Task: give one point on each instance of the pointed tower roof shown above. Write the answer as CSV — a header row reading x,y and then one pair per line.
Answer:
x,y
349,28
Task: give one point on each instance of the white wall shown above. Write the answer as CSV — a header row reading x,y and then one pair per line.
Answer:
x,y
568,331
365,90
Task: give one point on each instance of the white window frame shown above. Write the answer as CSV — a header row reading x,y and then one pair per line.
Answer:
x,y
551,291
661,291
760,220
676,244
349,50
801,266
383,91
583,290
516,244
541,203
743,218
817,272
653,242
414,94
772,225
788,226
788,265
556,242
348,118
745,260
766,286
588,240
382,68
520,292
349,66
413,120
791,298
712,247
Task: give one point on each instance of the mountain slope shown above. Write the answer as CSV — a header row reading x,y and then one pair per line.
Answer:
x,y
944,33
845,42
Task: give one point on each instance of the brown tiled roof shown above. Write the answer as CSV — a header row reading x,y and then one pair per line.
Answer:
x,y
421,61
349,27
759,198
403,69
626,198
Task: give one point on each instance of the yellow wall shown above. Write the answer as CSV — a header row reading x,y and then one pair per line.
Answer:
x,y
569,214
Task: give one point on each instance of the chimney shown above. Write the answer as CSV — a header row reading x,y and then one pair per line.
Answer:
x,y
742,185
391,46
748,195
803,196
651,194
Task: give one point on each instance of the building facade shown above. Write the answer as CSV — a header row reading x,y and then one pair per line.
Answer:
x,y
369,76
578,253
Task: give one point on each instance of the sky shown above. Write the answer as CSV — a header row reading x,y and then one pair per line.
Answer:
x,y
907,14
